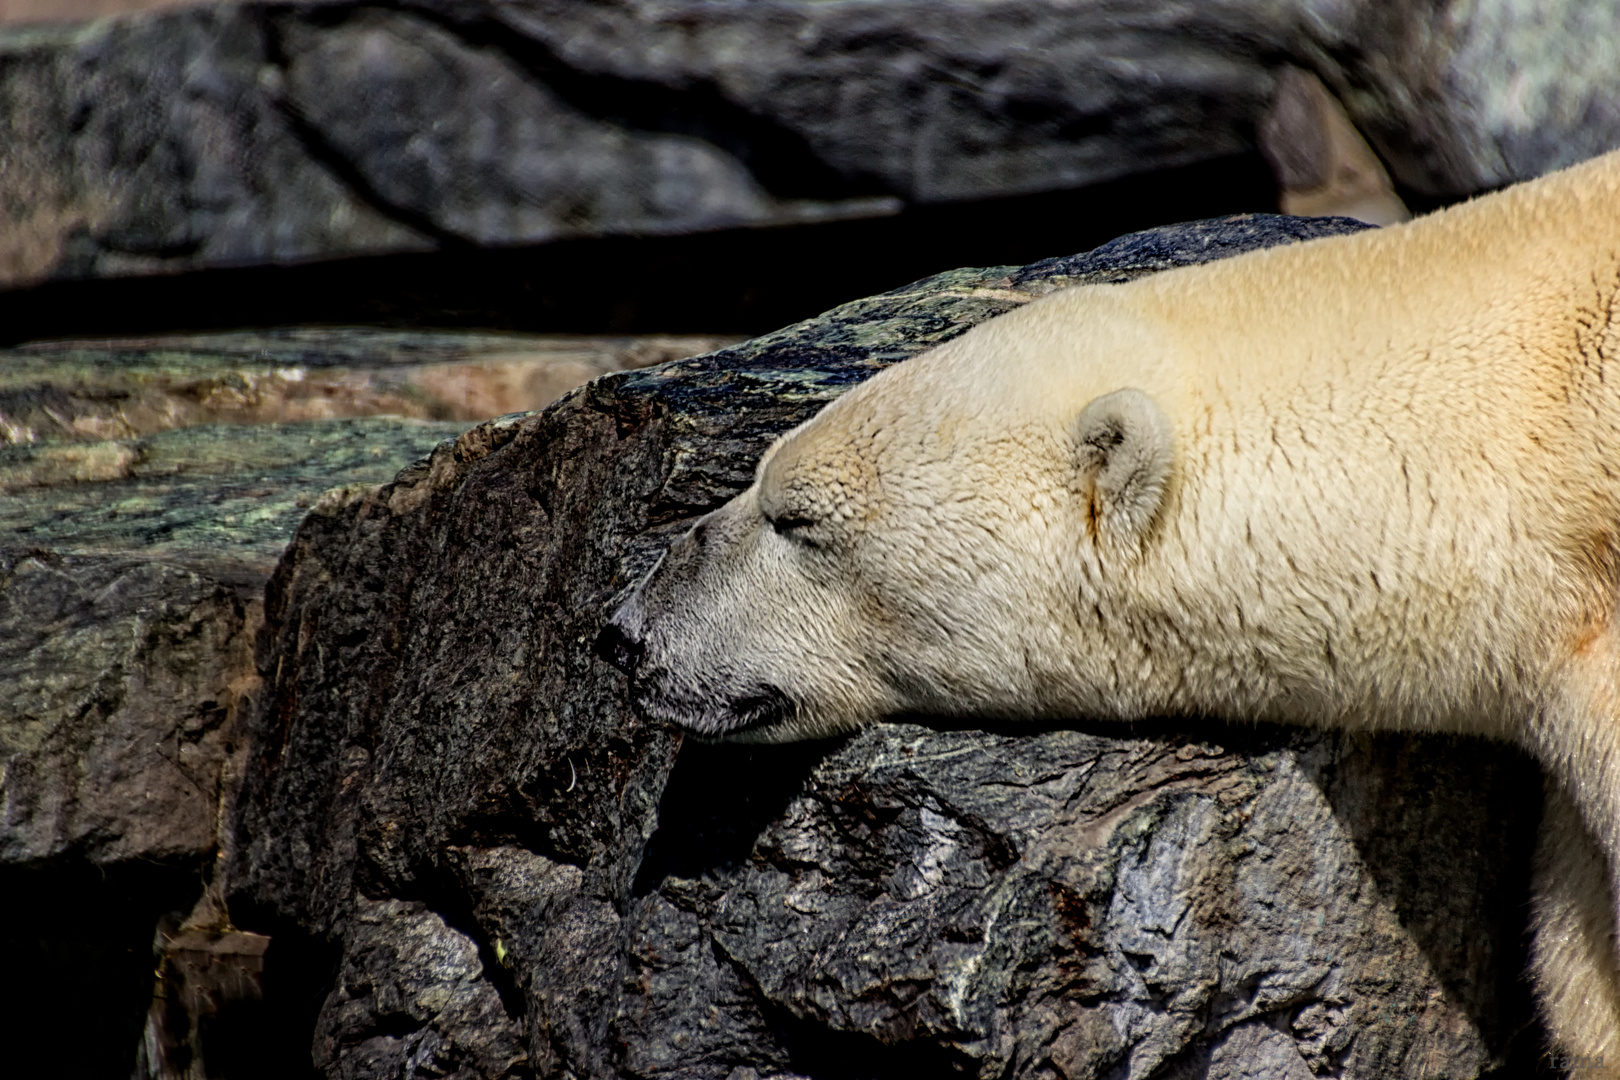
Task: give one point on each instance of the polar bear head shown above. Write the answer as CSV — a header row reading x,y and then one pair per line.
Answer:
x,y
948,538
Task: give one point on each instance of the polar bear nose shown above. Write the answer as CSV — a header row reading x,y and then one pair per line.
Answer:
x,y
619,648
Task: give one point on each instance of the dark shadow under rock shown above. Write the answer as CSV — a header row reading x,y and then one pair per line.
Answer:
x,y
436,739
77,939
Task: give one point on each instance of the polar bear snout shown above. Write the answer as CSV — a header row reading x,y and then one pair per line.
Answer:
x,y
682,635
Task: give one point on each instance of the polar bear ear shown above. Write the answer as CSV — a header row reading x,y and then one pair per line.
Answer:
x,y
1125,446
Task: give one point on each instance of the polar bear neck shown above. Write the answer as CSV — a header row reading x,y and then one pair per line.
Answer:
x,y
1396,495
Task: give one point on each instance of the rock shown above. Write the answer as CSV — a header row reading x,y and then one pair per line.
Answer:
x,y
131,584
1459,102
435,735
130,595
221,500
68,391
205,968
275,132
403,964
1324,168
47,11
132,573
119,684
147,489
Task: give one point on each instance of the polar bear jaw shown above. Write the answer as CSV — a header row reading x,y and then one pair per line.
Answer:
x,y
852,580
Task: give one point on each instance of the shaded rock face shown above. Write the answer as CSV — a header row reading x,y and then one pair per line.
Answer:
x,y
119,683
131,586
405,963
275,132
447,786
147,490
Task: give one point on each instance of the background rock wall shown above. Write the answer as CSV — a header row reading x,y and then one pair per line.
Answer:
x,y
278,132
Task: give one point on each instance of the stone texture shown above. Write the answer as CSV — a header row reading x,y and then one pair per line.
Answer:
x,y
132,574
402,963
119,683
131,577
73,391
1324,168
273,132
220,499
48,11
435,735
132,569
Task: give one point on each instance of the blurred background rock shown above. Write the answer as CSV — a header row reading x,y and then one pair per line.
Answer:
x,y
256,258
505,163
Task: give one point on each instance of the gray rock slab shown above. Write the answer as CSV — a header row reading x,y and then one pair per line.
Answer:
x,y
131,586
110,390
271,132
1166,900
145,498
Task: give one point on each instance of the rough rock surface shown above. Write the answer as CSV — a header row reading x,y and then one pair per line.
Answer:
x,y
147,489
110,390
131,586
133,556
273,132
446,785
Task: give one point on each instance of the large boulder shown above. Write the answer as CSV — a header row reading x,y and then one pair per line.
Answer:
x,y
514,874
273,132
147,490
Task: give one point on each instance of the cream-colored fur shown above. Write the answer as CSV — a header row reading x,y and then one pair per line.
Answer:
x,y
1370,481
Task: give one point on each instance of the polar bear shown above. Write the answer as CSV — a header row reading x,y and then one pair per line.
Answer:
x,y
1370,481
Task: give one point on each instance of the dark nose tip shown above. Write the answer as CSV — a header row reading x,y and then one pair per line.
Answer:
x,y
619,648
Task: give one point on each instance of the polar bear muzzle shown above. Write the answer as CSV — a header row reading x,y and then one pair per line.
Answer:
x,y
852,580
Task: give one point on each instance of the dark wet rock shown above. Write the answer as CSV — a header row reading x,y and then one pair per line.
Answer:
x,y
272,132
434,734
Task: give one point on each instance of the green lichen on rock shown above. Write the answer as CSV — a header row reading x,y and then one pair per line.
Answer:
x,y
123,389
222,499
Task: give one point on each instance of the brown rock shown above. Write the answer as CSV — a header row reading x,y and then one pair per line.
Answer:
x,y
1324,167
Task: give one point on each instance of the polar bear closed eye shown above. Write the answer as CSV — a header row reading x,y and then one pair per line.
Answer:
x,y
1368,481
